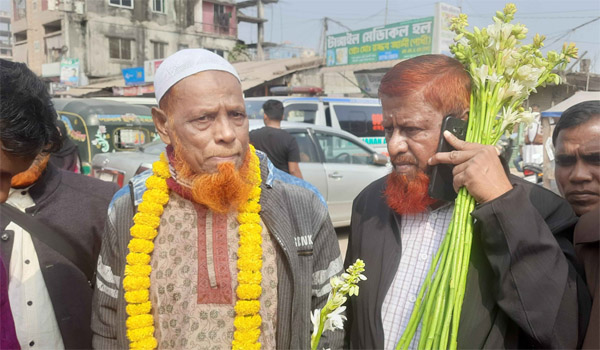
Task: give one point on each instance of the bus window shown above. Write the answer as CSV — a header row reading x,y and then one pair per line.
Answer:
x,y
361,121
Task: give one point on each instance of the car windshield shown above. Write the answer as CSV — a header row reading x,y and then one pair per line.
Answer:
x,y
254,109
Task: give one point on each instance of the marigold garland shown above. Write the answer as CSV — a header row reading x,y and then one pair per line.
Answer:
x,y
140,322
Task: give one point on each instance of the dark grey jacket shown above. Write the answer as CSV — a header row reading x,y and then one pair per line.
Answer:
x,y
522,288
308,256
75,206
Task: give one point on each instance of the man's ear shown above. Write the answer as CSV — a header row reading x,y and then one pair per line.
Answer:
x,y
161,123
464,115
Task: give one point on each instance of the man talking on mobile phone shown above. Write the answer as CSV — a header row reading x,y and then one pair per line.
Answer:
x,y
521,290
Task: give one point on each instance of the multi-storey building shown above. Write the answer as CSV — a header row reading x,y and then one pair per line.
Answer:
x,y
109,35
5,36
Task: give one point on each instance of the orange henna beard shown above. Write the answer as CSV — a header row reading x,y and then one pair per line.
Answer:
x,y
408,196
223,191
31,175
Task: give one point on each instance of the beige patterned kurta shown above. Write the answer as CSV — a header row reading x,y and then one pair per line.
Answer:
x,y
182,321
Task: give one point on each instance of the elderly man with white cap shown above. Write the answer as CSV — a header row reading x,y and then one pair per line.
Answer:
x,y
212,248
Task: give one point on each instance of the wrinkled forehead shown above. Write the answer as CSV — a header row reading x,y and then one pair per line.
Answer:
x,y
412,107
585,135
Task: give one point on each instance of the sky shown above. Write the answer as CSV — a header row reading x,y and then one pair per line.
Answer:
x,y
300,22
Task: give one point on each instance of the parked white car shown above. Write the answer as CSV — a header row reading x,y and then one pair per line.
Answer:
x,y
337,163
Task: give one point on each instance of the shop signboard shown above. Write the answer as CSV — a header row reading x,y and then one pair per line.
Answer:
x,y
150,68
391,42
133,76
443,37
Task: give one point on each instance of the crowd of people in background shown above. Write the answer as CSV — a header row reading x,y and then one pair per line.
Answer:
x,y
66,243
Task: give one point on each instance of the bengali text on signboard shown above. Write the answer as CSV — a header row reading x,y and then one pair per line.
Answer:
x,y
391,42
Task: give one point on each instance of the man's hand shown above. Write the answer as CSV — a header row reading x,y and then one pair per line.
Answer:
x,y
477,167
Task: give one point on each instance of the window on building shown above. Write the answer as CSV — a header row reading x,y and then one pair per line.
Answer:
x,y
121,3
52,27
159,49
221,18
218,52
119,48
158,6
20,9
21,36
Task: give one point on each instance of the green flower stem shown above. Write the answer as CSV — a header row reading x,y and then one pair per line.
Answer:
x,y
456,273
430,301
417,314
315,340
468,238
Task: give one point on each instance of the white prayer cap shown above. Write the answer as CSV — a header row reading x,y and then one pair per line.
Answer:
x,y
184,63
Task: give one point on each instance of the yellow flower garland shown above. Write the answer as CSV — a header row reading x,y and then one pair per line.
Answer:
x,y
140,322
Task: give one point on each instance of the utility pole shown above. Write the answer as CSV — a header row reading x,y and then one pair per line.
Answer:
x,y
324,37
386,13
260,12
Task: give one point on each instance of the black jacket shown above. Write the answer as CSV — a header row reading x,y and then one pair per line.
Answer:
x,y
75,206
522,288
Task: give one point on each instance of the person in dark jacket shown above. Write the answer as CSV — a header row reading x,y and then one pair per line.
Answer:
x,y
26,129
67,157
74,206
577,172
521,288
50,295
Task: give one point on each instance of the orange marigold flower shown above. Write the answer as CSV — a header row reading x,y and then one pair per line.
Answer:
x,y
250,239
150,208
138,259
132,283
252,277
146,219
138,245
245,264
246,323
156,196
248,336
143,231
139,321
236,345
137,296
247,307
248,291
147,343
157,183
161,169
138,270
138,309
140,333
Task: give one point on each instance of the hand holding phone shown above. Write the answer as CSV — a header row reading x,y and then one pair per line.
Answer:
x,y
440,176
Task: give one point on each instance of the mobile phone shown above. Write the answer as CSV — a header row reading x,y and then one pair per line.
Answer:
x,y
440,176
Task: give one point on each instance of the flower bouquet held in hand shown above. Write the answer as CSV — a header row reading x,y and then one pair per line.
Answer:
x,y
331,317
504,72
